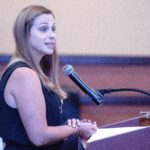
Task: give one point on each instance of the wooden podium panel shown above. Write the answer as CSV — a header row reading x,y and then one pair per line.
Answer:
x,y
135,140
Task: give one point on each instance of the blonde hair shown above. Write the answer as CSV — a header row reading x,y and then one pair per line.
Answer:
x,y
48,68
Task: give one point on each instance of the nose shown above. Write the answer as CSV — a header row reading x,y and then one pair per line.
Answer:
x,y
51,34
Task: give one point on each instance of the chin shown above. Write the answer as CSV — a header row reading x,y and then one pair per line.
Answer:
x,y
50,52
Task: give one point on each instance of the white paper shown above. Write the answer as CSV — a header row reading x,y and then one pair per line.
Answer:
x,y
103,133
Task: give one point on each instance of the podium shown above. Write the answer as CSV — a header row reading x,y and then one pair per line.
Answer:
x,y
134,140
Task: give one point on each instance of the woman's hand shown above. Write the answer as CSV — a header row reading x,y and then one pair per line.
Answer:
x,y
84,128
75,123
87,129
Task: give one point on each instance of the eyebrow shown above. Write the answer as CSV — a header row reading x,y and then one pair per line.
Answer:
x,y
47,23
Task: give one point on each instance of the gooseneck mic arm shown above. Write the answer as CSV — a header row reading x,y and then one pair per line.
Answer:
x,y
108,91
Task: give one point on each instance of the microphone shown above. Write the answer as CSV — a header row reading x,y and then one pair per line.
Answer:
x,y
69,71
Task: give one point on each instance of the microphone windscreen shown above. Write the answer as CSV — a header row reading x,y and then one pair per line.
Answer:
x,y
68,69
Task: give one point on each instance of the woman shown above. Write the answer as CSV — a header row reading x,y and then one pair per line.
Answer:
x,y
31,98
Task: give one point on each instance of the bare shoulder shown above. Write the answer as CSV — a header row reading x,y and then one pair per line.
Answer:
x,y
23,81
24,78
24,74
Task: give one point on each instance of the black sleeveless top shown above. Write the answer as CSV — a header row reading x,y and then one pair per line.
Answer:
x,y
11,128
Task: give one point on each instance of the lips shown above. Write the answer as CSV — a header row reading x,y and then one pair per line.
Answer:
x,y
50,45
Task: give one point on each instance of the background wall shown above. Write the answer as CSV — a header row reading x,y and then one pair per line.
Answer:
x,y
88,27
101,28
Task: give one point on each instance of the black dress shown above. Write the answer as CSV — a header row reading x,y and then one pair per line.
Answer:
x,y
11,128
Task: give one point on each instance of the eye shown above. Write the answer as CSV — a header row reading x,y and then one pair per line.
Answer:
x,y
54,28
43,28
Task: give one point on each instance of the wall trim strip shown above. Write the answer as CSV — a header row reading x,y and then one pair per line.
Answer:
x,y
95,60
119,100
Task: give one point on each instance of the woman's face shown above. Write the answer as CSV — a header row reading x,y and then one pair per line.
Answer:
x,y
42,38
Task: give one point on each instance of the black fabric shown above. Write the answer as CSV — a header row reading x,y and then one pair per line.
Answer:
x,y
71,106
11,127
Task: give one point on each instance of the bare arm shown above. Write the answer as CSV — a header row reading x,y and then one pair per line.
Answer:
x,y
24,88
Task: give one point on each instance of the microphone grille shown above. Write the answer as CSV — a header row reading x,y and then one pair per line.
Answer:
x,y
68,69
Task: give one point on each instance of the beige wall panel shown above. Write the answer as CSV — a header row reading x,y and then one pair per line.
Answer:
x,y
88,27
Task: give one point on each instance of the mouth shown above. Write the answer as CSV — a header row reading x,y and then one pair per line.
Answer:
x,y
50,45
